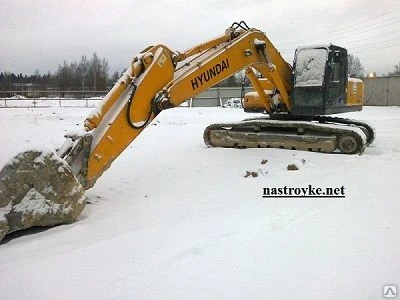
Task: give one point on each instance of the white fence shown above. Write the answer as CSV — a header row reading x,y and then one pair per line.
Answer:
x,y
50,98
47,102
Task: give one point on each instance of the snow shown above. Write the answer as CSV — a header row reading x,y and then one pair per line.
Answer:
x,y
233,103
5,210
36,203
173,219
326,46
310,66
259,43
355,80
76,133
45,151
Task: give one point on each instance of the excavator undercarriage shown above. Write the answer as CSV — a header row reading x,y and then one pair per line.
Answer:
x,y
321,134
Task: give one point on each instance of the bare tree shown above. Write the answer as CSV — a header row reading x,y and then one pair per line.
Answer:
x,y
396,70
83,70
355,68
115,76
64,76
103,74
94,70
98,72
36,76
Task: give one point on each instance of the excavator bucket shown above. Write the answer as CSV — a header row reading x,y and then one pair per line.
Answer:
x,y
38,188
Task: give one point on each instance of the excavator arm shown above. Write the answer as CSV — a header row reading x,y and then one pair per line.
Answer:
x,y
158,79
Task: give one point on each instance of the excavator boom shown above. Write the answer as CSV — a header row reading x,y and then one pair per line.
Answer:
x,y
160,79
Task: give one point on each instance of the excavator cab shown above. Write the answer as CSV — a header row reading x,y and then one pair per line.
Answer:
x,y
320,81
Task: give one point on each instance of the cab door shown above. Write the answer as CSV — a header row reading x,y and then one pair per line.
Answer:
x,y
336,80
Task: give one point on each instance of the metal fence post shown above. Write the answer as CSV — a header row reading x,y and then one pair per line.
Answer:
x,y
219,95
387,91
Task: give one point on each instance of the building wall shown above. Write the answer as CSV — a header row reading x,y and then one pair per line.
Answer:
x,y
382,91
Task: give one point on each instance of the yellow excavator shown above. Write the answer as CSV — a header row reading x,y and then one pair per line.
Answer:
x,y
295,99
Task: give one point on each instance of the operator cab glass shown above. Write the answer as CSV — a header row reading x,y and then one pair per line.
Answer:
x,y
310,67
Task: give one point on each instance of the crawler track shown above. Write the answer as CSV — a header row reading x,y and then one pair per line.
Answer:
x,y
367,128
323,134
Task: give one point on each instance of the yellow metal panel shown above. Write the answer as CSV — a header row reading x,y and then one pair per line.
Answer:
x,y
259,98
355,92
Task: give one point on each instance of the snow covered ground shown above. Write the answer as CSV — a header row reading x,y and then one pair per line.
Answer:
x,y
173,219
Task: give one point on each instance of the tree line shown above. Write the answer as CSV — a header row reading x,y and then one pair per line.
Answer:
x,y
92,74
86,75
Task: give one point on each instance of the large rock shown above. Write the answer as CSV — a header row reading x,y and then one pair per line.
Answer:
x,y
3,227
37,188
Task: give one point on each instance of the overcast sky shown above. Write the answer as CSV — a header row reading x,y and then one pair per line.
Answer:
x,y
41,34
